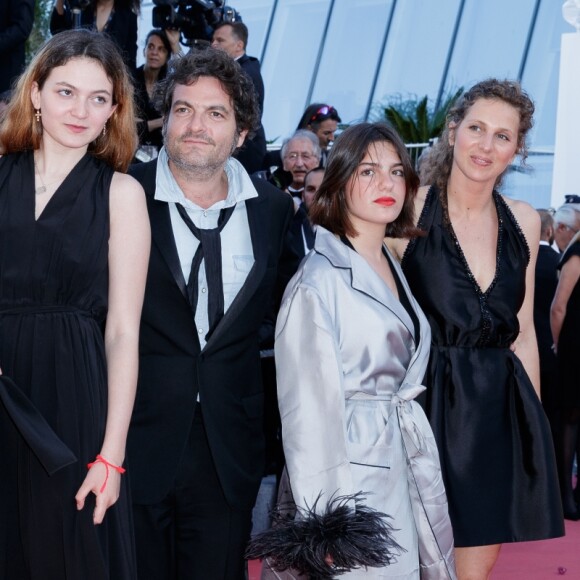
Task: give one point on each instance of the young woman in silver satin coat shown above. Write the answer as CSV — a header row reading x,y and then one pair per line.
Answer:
x,y
351,351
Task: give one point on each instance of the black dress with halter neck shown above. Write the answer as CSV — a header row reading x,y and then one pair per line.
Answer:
x,y
53,393
494,440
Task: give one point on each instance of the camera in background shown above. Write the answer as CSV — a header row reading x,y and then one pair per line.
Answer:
x,y
196,20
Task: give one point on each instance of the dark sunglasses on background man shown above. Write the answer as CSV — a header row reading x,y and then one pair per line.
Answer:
x,y
324,111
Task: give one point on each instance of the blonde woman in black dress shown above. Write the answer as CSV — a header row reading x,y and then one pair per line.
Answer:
x,y
473,275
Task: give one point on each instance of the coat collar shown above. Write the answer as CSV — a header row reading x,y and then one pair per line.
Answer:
x,y
364,279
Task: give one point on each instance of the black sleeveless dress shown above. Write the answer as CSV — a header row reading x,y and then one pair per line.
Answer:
x,y
494,440
53,393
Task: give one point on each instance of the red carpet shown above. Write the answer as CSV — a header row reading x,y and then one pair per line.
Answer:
x,y
546,560
254,568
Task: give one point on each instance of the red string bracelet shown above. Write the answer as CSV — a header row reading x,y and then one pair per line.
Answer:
x,y
101,459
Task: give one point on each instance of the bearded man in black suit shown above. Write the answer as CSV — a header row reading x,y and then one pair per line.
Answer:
x,y
195,446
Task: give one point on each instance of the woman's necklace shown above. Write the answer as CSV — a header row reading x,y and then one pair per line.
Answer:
x,y
43,187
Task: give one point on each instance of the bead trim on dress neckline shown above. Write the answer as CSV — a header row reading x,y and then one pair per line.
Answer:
x,y
481,294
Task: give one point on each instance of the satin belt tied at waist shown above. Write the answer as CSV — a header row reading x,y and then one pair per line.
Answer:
x,y
412,433
49,449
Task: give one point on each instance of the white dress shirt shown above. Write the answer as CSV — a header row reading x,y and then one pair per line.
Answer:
x,y
236,242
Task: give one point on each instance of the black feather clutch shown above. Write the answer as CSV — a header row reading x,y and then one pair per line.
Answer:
x,y
352,538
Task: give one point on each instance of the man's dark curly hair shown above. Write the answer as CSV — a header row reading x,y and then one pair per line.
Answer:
x,y
213,63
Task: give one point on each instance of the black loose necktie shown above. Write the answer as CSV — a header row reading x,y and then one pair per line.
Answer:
x,y
210,249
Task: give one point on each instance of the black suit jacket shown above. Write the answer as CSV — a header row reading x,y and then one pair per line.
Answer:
x,y
16,19
251,154
299,223
226,373
251,65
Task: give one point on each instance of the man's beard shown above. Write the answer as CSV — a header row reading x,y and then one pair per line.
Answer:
x,y
199,166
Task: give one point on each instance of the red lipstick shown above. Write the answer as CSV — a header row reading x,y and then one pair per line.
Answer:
x,y
386,201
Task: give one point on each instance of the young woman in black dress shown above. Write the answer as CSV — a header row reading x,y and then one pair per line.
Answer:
x,y
74,246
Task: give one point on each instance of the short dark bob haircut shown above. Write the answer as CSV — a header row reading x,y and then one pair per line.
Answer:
x,y
329,208
212,63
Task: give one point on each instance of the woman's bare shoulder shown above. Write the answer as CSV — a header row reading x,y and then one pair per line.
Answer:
x,y
123,183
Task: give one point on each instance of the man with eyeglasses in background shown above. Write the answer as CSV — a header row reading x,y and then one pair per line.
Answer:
x,y
300,154
567,221
323,121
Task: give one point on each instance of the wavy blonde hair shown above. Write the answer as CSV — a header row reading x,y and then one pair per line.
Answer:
x,y
440,160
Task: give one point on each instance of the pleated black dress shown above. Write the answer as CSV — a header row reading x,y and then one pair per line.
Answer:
x,y
53,393
494,440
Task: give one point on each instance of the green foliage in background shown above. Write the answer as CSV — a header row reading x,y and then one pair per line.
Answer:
x,y
416,120
40,30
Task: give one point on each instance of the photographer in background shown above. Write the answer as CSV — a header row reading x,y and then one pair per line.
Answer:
x,y
16,19
118,18
232,38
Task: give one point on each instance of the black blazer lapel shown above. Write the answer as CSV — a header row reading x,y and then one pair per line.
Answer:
x,y
163,238
161,230
257,210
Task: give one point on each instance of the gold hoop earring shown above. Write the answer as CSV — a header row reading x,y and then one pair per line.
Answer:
x,y
38,114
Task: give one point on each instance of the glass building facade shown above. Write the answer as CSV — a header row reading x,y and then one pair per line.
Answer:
x,y
359,54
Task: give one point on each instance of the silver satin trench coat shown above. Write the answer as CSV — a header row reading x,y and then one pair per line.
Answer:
x,y
348,369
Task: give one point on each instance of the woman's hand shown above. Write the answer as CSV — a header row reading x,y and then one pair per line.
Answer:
x,y
93,483
174,35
